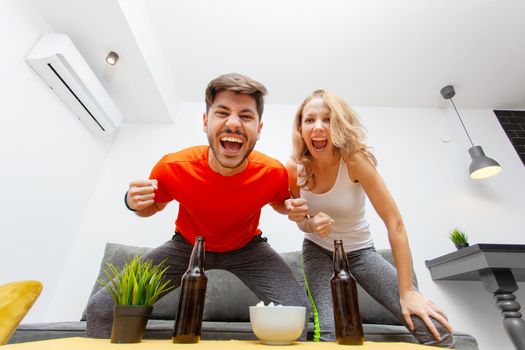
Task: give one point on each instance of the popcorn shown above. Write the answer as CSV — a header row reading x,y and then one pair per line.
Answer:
x,y
271,304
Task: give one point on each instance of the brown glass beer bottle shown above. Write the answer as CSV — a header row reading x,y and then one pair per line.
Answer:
x,y
348,327
191,301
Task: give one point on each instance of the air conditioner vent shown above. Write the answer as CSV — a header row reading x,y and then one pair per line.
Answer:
x,y
58,62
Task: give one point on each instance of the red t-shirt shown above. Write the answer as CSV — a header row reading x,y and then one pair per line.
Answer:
x,y
223,209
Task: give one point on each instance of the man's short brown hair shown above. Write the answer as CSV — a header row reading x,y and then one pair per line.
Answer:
x,y
238,83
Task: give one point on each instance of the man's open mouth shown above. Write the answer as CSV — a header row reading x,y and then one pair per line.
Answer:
x,y
231,143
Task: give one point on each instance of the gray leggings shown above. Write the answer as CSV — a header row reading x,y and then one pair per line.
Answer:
x,y
256,264
374,274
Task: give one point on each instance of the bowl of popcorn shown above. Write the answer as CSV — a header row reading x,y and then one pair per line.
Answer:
x,y
277,324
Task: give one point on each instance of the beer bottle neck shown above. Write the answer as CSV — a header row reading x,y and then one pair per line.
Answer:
x,y
340,260
197,255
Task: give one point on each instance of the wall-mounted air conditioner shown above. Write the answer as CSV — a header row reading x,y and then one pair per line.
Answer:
x,y
58,62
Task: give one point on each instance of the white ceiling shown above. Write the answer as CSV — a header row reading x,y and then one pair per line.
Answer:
x,y
373,53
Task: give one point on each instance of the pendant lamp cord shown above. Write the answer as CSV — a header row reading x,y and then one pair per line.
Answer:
x,y
453,104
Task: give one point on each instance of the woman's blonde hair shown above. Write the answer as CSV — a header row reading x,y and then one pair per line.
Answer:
x,y
347,134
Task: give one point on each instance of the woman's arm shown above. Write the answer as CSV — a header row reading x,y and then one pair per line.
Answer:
x,y
412,302
363,171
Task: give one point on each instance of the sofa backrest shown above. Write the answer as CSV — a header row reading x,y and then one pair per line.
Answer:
x,y
227,298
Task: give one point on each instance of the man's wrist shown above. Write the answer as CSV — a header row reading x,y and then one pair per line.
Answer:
x,y
126,202
306,222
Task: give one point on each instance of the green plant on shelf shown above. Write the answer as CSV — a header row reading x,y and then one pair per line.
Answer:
x,y
459,238
139,283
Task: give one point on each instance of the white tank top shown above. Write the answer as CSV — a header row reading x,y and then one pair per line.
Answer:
x,y
345,203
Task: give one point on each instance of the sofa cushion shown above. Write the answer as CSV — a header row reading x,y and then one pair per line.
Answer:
x,y
231,303
118,254
220,304
227,303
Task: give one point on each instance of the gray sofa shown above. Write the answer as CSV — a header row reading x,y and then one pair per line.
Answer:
x,y
226,309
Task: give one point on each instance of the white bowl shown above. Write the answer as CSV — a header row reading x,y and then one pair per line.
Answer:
x,y
277,325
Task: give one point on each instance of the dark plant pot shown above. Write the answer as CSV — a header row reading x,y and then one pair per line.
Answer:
x,y
461,246
129,323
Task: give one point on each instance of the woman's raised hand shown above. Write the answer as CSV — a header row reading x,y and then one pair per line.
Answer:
x,y
321,224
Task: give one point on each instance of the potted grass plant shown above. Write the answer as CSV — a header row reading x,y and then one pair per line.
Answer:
x,y
459,238
134,290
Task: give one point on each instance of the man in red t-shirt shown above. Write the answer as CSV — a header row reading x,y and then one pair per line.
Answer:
x,y
221,189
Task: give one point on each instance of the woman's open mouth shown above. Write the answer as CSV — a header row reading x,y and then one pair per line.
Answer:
x,y
319,143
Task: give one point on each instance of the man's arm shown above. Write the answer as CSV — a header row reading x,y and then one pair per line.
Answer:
x,y
151,210
279,207
295,208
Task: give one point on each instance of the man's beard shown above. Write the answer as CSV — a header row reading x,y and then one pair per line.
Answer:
x,y
218,157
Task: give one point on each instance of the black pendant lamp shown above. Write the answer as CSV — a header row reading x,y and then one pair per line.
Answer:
x,y
481,166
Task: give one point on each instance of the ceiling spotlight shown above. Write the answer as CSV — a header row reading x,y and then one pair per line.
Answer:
x,y
112,58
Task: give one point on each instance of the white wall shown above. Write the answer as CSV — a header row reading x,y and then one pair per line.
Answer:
x,y
428,178
63,188
140,24
50,163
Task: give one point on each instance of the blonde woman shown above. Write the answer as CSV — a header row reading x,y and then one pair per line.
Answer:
x,y
333,170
